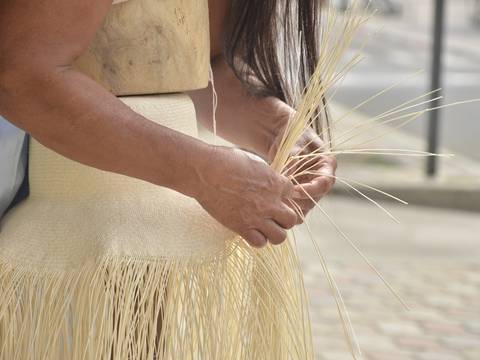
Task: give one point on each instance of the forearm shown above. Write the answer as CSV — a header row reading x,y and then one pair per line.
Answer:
x,y
248,121
74,116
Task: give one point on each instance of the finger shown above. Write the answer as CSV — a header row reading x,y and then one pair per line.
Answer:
x,y
292,166
317,143
325,165
273,231
329,182
315,189
287,190
307,164
297,210
309,175
300,216
255,238
328,167
306,206
285,216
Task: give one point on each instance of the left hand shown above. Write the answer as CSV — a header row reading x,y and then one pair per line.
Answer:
x,y
320,176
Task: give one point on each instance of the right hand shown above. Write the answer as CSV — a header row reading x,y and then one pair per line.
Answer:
x,y
246,195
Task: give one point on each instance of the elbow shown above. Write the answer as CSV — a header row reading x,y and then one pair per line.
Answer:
x,y
20,79
13,78
8,83
5,79
13,85
22,87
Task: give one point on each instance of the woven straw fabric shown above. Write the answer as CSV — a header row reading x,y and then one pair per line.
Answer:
x,y
75,212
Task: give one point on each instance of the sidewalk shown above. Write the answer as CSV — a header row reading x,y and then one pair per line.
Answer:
x,y
432,259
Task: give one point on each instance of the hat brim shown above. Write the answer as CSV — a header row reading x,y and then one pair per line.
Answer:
x,y
59,234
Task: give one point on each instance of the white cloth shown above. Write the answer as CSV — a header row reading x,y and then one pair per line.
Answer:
x,y
13,161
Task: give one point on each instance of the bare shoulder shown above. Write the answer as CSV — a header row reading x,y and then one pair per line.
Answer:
x,y
48,29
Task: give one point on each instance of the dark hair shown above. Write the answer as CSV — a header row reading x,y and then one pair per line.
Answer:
x,y
267,38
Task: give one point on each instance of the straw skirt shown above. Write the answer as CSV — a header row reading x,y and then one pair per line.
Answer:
x,y
96,265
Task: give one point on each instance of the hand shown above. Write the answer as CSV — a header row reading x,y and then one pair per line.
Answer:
x,y
315,175
246,195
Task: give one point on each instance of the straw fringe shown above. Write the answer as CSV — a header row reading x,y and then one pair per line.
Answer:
x,y
247,304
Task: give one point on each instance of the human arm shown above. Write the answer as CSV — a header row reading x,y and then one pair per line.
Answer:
x,y
66,111
69,113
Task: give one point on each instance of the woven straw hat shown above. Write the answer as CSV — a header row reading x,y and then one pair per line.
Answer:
x,y
76,212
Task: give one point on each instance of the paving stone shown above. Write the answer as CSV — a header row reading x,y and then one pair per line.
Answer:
x,y
336,355
375,343
443,328
463,343
331,343
473,326
471,355
439,356
388,355
417,343
400,328
428,314
464,289
443,300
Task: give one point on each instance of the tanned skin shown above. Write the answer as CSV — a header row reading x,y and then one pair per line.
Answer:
x,y
74,116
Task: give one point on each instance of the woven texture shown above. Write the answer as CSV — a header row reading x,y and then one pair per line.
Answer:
x,y
90,206
96,265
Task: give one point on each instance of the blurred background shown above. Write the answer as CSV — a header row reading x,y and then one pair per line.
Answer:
x,y
433,256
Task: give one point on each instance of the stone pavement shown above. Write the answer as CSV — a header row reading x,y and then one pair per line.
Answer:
x,y
432,259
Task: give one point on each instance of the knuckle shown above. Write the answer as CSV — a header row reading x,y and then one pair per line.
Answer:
x,y
279,238
329,182
287,186
291,223
323,185
284,216
291,220
272,178
255,239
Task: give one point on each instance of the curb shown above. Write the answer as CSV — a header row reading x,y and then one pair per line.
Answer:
x,y
466,198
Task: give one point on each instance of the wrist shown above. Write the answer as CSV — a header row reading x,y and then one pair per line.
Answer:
x,y
193,181
176,160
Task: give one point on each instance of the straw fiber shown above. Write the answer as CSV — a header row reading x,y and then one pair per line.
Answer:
x,y
96,265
